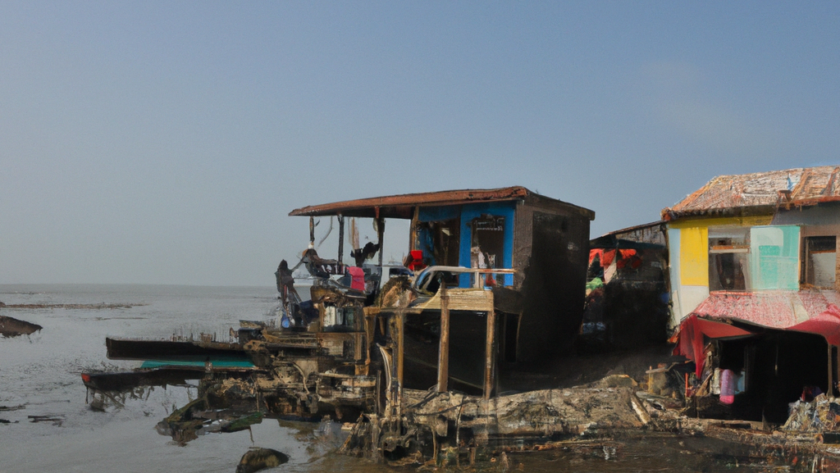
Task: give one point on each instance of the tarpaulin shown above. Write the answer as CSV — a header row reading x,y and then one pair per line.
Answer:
x,y
629,258
607,258
826,324
691,342
596,252
809,311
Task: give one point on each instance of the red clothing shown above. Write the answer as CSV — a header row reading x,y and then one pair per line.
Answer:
x,y
358,278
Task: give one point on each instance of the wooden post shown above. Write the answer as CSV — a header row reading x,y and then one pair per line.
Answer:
x,y
380,230
837,264
312,231
443,350
396,396
488,361
340,238
400,346
830,390
837,364
412,232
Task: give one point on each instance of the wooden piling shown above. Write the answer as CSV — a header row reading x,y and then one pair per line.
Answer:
x,y
488,361
443,350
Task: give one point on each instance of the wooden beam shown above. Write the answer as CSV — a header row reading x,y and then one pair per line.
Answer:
x,y
443,350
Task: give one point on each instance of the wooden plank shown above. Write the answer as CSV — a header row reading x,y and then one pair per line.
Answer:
x,y
462,299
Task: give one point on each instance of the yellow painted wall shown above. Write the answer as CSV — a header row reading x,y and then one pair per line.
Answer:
x,y
694,244
694,256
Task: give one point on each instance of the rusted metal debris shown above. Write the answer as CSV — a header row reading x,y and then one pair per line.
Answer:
x,y
434,422
200,417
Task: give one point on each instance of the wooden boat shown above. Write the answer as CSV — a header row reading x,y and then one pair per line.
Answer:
x,y
164,373
140,349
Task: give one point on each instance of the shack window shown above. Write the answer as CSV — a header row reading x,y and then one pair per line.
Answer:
x,y
439,241
774,258
820,261
488,242
729,250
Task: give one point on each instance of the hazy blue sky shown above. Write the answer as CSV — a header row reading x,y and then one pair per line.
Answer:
x,y
166,142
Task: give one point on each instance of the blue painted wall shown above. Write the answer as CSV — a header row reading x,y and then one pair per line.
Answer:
x,y
436,214
499,209
467,213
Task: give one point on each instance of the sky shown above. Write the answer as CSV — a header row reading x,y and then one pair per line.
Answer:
x,y
165,142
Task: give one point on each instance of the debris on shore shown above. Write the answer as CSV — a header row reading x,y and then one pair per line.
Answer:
x,y
12,408
199,417
72,306
259,459
11,327
55,419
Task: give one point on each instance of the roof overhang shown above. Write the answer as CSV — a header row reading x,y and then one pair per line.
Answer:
x,y
402,206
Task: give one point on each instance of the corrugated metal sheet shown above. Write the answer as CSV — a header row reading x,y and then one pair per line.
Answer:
x,y
773,309
760,192
653,233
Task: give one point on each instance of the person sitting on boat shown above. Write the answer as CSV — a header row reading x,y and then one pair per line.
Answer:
x,y
285,282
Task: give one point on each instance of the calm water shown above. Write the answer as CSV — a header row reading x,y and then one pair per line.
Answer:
x,y
42,372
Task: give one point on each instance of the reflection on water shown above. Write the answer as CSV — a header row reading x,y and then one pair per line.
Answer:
x,y
57,431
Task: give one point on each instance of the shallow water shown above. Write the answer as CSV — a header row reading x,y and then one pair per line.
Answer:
x,y
42,372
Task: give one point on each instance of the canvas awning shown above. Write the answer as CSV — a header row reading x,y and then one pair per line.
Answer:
x,y
810,311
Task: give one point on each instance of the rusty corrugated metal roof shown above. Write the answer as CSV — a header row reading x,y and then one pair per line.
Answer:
x,y
402,206
760,192
634,228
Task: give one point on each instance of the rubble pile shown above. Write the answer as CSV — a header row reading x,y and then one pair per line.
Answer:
x,y
820,415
